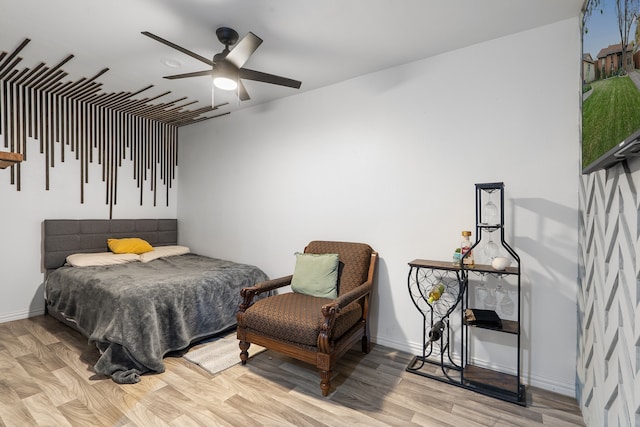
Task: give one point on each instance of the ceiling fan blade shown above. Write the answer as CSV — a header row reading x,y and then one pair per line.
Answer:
x,y
243,49
242,92
259,76
180,48
194,74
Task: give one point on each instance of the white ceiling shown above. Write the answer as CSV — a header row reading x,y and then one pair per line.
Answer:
x,y
316,42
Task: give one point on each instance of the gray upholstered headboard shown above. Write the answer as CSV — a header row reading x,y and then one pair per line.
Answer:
x,y
63,237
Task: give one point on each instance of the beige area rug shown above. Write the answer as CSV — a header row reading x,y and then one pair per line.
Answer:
x,y
220,354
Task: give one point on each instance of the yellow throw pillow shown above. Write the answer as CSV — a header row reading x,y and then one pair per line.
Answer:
x,y
129,245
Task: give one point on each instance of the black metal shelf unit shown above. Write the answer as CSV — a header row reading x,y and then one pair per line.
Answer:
x,y
436,360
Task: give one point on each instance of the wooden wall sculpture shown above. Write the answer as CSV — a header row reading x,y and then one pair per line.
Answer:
x,y
75,119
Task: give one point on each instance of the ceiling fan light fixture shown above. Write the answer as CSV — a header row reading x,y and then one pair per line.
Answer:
x,y
225,83
227,70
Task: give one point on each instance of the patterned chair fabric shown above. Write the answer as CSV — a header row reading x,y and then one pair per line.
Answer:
x,y
312,329
297,318
354,261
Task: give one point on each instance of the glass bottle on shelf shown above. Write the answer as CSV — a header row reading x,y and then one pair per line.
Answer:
x,y
435,293
465,249
436,331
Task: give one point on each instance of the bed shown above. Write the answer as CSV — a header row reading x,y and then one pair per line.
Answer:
x,y
136,312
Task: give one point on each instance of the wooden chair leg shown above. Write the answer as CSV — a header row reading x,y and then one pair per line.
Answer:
x,y
325,382
366,347
244,351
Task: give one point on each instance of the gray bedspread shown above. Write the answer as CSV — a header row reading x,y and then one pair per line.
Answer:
x,y
136,313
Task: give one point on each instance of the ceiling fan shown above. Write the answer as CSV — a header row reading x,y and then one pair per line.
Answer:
x,y
226,66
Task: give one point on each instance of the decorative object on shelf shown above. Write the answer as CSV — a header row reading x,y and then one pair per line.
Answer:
x,y
440,330
457,257
500,263
476,316
465,249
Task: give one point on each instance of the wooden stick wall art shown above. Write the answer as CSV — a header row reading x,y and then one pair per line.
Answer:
x,y
74,118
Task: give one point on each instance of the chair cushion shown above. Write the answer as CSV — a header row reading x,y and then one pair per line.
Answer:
x,y
296,317
316,275
354,261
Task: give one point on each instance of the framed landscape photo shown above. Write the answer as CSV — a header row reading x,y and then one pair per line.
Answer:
x,y
610,83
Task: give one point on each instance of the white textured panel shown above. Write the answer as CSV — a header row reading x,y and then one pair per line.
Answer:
x,y
608,335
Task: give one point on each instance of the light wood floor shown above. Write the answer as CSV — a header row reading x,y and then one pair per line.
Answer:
x,y
46,379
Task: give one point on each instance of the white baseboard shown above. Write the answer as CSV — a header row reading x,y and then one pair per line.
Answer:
x,y
545,383
18,315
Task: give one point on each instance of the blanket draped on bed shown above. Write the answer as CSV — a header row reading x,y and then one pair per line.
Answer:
x,y
136,313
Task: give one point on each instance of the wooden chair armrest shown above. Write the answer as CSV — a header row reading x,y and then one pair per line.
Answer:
x,y
353,295
344,300
269,285
249,293
331,310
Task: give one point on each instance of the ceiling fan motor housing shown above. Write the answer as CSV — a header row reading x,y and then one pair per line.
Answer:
x,y
227,36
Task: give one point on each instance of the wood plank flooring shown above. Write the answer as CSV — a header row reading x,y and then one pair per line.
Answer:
x,y
46,380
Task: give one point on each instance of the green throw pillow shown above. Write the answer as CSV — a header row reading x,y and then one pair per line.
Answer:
x,y
316,275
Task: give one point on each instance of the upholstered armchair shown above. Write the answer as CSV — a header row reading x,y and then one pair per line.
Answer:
x,y
311,328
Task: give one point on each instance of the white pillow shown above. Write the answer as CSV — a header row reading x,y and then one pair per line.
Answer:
x,y
163,251
100,258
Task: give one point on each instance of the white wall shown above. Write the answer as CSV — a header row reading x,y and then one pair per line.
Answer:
x,y
391,159
22,213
